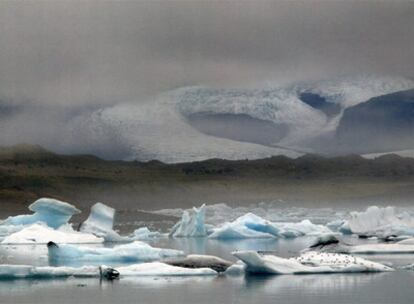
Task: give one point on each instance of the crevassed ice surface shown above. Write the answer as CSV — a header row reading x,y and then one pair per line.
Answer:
x,y
159,129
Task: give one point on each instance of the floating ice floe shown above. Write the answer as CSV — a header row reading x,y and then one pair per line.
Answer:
x,y
100,223
253,226
200,261
309,262
126,253
8,272
380,222
40,233
191,224
162,269
332,244
47,210
144,233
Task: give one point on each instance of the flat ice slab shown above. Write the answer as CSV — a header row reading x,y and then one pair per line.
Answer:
x,y
33,272
41,234
162,269
126,253
309,262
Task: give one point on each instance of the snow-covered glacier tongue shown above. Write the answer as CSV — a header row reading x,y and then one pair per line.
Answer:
x,y
197,123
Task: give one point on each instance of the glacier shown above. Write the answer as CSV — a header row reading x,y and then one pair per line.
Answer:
x,y
191,224
53,212
159,128
40,233
127,253
100,223
309,262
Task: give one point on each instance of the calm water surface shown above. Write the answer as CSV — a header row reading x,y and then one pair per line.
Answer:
x,y
396,287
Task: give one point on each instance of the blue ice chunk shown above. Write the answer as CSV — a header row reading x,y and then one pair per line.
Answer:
x,y
53,212
253,226
191,224
100,223
126,253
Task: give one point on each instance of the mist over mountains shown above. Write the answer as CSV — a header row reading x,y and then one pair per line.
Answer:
x,y
360,114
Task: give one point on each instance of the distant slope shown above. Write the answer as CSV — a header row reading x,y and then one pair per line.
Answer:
x,y
28,172
381,124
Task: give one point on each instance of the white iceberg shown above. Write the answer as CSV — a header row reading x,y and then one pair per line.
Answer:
x,y
12,272
126,253
100,223
330,243
35,272
253,226
143,233
381,222
39,233
162,269
383,248
191,224
53,212
309,262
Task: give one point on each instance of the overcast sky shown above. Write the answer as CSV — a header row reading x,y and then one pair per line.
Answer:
x,y
85,52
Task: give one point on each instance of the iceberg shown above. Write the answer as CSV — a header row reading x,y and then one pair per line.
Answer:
x,y
380,222
200,261
144,233
8,272
126,253
40,233
100,223
383,248
162,269
330,243
253,226
13,272
53,212
309,262
191,224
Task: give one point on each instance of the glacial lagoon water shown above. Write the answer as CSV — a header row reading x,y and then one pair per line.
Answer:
x,y
375,288
386,288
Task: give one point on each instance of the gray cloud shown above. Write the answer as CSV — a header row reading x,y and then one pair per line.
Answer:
x,y
82,52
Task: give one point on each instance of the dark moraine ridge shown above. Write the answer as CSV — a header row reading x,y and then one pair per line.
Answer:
x,y
30,172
